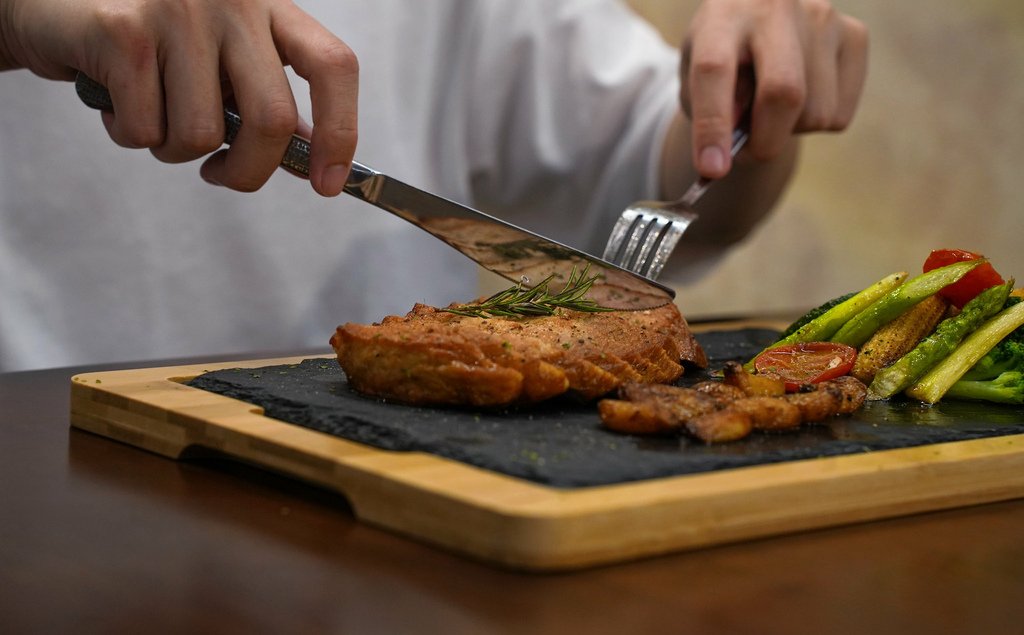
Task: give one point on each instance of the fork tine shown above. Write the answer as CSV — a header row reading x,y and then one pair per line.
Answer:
x,y
627,238
642,242
636,228
618,240
652,245
660,249
641,246
647,229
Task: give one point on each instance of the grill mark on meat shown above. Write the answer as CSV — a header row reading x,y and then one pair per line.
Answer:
x,y
432,357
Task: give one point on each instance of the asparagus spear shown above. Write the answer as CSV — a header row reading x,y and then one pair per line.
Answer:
x,y
824,326
937,381
891,305
933,348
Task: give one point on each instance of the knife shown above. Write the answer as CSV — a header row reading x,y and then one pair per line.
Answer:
x,y
512,252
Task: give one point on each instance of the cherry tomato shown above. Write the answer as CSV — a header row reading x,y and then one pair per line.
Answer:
x,y
963,290
806,362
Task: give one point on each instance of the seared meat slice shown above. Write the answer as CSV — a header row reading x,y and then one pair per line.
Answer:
x,y
720,426
432,357
725,412
653,409
752,385
852,393
769,413
723,393
818,402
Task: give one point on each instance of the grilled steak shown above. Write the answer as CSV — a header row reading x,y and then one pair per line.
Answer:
x,y
432,357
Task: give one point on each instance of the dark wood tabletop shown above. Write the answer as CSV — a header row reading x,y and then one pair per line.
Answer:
x,y
100,537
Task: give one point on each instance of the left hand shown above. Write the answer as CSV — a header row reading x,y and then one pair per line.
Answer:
x,y
809,61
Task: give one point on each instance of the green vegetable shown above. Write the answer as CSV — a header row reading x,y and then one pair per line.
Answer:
x,y
1005,356
814,313
824,326
938,380
1008,387
940,343
890,306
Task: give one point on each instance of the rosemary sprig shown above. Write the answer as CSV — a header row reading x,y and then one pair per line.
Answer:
x,y
517,301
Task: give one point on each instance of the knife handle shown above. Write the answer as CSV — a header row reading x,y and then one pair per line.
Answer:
x,y
361,182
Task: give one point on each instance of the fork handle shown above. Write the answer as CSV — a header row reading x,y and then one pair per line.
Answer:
x,y
696,191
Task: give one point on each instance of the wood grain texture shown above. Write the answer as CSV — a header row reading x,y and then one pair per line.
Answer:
x,y
521,525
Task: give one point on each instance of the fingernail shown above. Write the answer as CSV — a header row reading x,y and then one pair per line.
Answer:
x,y
712,161
210,180
334,179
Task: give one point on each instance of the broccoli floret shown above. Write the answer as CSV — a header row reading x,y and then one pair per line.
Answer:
x,y
1006,388
1007,355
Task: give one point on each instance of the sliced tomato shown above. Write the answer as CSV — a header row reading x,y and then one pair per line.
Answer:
x,y
806,362
965,289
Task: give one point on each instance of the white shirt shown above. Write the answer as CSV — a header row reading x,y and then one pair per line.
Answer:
x,y
548,113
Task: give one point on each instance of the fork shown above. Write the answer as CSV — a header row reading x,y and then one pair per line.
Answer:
x,y
647,231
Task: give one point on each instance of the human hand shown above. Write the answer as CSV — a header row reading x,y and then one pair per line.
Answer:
x,y
809,61
170,64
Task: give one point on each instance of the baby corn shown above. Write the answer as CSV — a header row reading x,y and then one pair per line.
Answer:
x,y
897,338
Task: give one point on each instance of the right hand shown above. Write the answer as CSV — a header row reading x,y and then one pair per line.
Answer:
x,y
810,61
170,64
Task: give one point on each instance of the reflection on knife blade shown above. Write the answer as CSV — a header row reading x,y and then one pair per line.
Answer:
x,y
512,252
509,251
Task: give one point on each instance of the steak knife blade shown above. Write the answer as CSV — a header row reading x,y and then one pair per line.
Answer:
x,y
512,252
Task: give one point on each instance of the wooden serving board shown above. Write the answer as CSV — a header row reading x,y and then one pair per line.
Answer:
x,y
521,524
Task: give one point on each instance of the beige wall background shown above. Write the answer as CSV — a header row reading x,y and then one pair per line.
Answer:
x,y
932,160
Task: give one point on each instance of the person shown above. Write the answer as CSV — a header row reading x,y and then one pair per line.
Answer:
x,y
553,115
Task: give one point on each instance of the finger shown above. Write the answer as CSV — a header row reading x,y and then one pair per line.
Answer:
x,y
213,166
332,70
822,80
304,129
137,96
194,103
710,79
852,70
268,112
781,85
126,64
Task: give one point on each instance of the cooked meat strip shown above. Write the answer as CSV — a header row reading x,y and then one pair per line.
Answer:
x,y
722,393
432,357
683,403
752,385
635,418
816,405
769,413
721,426
853,393
736,420
653,408
716,415
841,395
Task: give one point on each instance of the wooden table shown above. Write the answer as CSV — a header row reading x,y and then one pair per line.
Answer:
x,y
99,537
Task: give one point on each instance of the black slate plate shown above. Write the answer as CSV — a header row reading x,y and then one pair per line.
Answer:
x,y
562,444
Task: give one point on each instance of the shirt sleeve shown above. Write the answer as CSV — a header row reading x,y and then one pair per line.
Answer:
x,y
570,105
